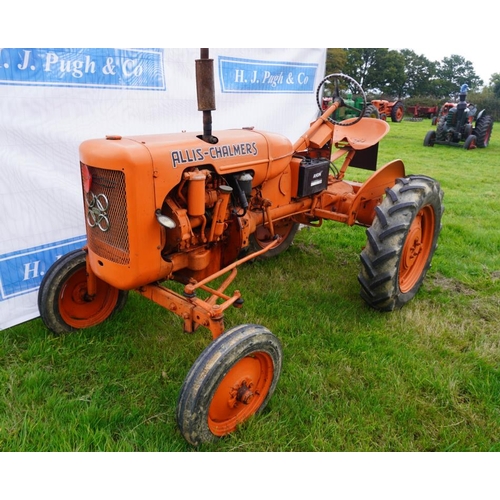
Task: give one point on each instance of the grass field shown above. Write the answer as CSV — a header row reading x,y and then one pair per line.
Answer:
x,y
425,378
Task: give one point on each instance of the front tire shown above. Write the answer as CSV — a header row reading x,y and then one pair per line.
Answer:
x,y
401,242
63,301
232,380
430,138
470,142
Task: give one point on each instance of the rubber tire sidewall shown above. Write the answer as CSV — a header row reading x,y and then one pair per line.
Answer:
x,y
52,284
210,369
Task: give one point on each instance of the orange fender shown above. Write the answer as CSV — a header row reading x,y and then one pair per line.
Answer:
x,y
371,192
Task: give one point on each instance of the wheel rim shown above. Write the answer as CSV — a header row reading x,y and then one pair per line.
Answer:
x,y
263,235
416,249
241,393
77,309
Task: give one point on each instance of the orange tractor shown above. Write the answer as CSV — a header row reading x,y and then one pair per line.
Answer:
x,y
383,109
192,207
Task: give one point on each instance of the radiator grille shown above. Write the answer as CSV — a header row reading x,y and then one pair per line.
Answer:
x,y
111,244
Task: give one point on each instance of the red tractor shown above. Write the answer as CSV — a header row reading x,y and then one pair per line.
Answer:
x,y
418,112
192,207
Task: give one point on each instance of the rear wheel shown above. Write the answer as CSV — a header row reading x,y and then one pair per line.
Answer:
x,y
285,228
232,380
484,126
441,129
63,301
401,242
371,112
397,112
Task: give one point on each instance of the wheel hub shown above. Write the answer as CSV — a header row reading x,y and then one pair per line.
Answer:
x,y
241,393
245,394
79,294
416,249
414,245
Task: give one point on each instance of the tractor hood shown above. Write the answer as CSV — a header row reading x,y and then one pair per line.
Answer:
x,y
266,154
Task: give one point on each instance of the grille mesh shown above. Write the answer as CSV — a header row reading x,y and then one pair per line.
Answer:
x,y
113,244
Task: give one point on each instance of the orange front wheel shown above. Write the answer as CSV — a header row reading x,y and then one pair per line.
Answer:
x,y
232,380
63,301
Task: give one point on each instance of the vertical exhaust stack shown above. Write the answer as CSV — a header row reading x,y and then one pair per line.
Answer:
x,y
206,93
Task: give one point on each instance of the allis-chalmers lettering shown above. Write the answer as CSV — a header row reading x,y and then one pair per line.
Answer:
x,y
183,156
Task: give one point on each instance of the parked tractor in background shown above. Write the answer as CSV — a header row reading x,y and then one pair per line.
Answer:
x,y
459,124
419,112
383,109
379,109
191,207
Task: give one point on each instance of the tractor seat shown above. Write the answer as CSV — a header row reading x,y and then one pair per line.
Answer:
x,y
361,135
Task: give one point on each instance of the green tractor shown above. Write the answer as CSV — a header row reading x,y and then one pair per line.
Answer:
x,y
375,109
456,127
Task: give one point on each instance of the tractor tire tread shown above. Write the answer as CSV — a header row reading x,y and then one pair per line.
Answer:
x,y
380,259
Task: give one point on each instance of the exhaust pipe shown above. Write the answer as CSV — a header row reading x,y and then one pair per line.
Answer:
x,y
205,90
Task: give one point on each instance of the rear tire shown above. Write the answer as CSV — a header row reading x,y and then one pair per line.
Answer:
x,y
397,112
371,112
441,129
232,380
63,301
484,127
401,242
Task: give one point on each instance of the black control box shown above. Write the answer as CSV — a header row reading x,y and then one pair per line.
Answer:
x,y
313,176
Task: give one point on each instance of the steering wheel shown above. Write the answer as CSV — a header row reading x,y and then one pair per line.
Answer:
x,y
338,85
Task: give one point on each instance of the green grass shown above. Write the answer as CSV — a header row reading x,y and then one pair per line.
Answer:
x,y
425,378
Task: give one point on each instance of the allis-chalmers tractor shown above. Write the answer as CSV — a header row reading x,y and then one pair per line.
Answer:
x,y
455,125
192,207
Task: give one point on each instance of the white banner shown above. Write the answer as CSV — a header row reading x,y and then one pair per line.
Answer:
x,y
53,99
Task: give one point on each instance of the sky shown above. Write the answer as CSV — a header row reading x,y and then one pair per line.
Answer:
x,y
435,30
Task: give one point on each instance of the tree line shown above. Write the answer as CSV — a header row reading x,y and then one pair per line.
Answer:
x,y
405,75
